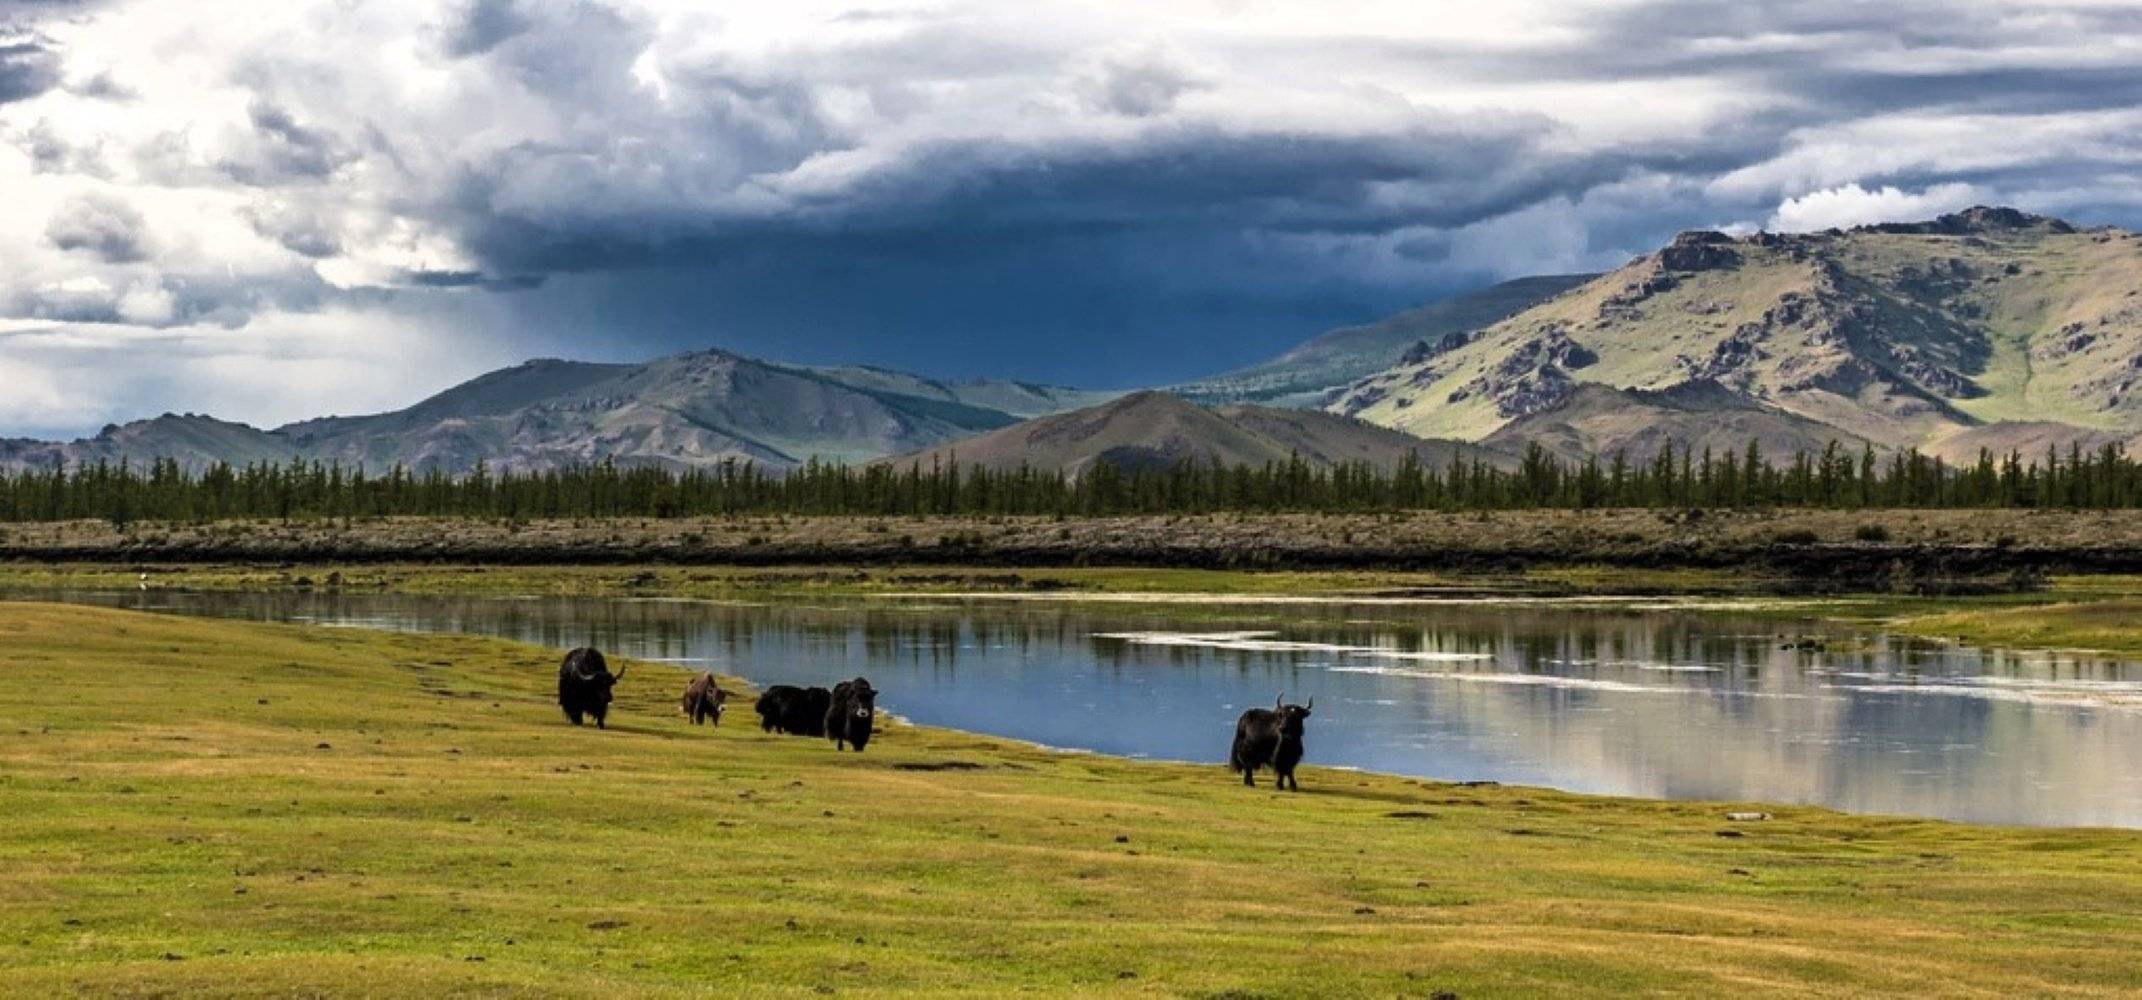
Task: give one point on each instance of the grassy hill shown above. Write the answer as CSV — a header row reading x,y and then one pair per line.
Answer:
x,y
287,811
194,441
1157,430
1597,421
1901,334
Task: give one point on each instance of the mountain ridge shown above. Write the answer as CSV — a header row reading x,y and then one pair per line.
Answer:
x,y
698,409
1303,374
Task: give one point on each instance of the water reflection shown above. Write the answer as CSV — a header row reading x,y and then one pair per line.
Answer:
x,y
1619,699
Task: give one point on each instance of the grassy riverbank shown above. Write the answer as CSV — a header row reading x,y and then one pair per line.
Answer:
x,y
2087,613
719,582
216,808
1893,549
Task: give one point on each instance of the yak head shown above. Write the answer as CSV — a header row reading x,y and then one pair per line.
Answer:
x,y
862,700
1291,716
604,681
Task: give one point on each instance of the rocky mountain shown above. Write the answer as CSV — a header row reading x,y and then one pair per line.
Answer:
x,y
1156,430
690,410
693,410
1304,375
1903,334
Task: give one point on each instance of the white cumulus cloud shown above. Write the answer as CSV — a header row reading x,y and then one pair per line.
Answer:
x,y
1851,205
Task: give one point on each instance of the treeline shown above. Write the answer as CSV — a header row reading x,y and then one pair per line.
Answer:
x,y
1675,477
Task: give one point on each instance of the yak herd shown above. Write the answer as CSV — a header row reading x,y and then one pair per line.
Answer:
x,y
844,714
1264,737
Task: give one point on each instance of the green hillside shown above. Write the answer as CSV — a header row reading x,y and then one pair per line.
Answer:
x,y
1304,374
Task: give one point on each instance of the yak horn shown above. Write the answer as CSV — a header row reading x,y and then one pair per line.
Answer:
x,y
1279,700
1312,702
620,675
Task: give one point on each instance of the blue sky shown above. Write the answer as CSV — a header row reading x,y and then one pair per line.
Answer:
x,y
275,210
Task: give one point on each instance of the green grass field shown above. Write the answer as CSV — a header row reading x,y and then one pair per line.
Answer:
x,y
2105,626
210,808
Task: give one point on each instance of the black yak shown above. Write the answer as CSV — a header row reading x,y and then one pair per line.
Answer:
x,y
849,717
704,700
1270,737
584,683
772,705
785,708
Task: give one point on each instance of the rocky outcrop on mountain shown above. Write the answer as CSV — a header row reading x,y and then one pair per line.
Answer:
x,y
1424,351
1973,221
1699,250
1534,375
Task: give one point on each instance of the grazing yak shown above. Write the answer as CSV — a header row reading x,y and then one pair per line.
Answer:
x,y
849,717
785,708
1270,737
584,683
704,700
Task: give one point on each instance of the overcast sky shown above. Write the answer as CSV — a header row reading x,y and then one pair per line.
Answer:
x,y
281,209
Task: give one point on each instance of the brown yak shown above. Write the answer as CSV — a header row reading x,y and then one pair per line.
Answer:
x,y
704,700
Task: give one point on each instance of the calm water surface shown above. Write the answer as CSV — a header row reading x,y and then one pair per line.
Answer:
x,y
1659,699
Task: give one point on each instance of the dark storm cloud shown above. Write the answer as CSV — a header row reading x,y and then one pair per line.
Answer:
x,y
1190,180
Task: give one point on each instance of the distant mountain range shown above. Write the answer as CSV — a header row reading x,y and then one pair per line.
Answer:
x,y
1989,328
688,411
